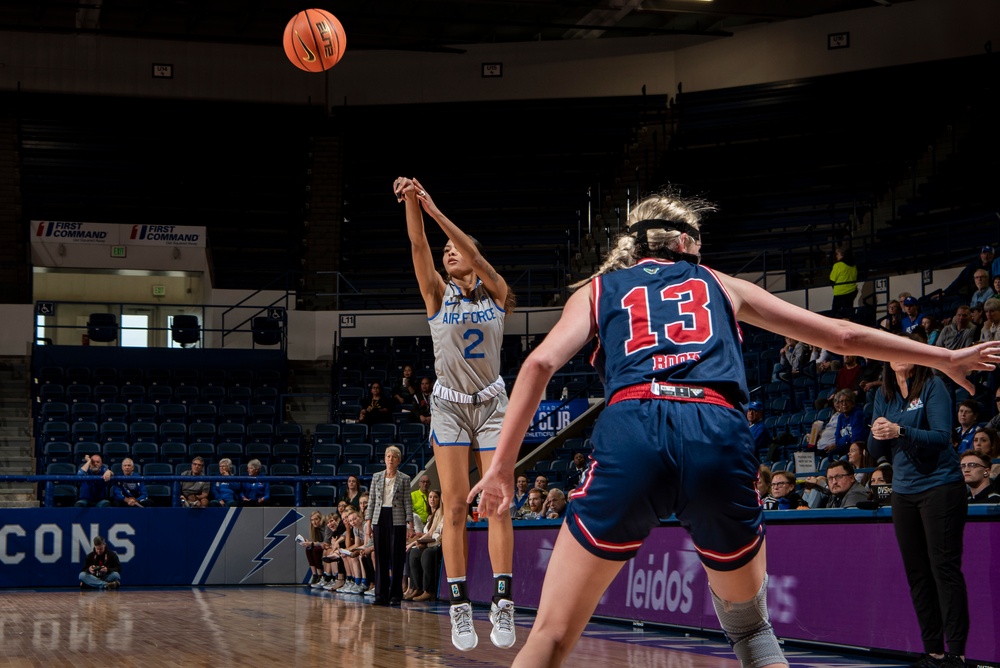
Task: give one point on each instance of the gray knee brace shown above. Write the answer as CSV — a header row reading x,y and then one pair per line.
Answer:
x,y
749,631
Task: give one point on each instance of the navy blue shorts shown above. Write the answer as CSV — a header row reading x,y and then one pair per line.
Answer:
x,y
657,457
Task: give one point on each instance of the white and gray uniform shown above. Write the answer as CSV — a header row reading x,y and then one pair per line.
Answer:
x,y
469,399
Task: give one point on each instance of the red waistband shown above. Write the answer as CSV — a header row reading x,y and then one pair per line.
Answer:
x,y
692,393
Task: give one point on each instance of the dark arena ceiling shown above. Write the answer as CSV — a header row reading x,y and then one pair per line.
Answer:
x,y
412,25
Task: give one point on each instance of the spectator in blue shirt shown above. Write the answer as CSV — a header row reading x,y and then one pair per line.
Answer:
x,y
225,493
94,491
968,423
911,315
129,489
256,493
755,416
850,424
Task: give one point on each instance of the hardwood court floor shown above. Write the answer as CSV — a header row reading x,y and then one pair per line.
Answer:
x,y
294,626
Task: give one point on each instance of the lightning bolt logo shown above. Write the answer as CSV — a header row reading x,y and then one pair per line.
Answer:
x,y
290,518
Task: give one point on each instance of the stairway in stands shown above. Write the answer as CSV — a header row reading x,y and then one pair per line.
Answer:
x,y
16,443
308,402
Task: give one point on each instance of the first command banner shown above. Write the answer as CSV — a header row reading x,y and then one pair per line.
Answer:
x,y
104,234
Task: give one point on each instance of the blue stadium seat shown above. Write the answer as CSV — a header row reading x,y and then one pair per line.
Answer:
x,y
115,412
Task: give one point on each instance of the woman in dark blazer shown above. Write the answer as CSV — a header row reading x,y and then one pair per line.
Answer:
x,y
389,523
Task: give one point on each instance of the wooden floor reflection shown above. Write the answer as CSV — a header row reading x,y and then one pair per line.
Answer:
x,y
214,627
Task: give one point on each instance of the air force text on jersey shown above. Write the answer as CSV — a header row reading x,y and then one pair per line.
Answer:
x,y
470,317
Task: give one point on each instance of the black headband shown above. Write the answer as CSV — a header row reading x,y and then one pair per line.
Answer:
x,y
640,227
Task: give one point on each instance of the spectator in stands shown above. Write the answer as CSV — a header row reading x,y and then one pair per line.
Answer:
x,y
389,523
975,470
987,442
858,456
764,481
983,290
532,510
892,321
424,554
96,488
101,569
911,315
421,499
968,423
960,332
194,493
996,282
576,472
963,283
334,571
845,490
367,552
404,392
352,492
822,360
225,493
319,536
520,494
880,483
127,488
844,277
755,417
258,492
792,357
991,323
354,544
844,427
931,327
977,316
783,495
376,408
815,491
422,400
554,507
912,425
542,483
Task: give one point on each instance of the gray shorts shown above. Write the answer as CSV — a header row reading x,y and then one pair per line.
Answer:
x,y
468,425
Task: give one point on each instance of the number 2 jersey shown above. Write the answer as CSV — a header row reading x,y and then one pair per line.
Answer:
x,y
670,321
467,333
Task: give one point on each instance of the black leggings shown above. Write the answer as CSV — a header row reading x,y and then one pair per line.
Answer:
x,y
424,567
930,528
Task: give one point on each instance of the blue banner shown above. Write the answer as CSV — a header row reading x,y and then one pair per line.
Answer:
x,y
552,417
156,546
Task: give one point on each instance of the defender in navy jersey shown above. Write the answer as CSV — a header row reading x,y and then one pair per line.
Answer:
x,y
466,314
673,438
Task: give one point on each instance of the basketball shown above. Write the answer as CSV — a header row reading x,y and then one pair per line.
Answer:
x,y
314,40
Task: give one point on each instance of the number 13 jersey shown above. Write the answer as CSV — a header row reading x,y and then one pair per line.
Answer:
x,y
669,321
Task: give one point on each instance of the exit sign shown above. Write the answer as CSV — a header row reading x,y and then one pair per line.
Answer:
x,y
159,291
118,251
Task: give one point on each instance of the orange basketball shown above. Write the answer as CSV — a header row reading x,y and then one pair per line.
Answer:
x,y
314,40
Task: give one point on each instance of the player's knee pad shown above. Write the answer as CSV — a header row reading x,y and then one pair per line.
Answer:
x,y
749,630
